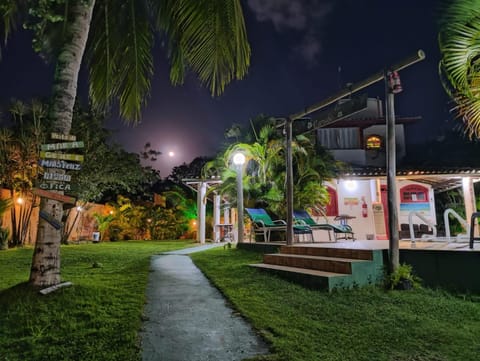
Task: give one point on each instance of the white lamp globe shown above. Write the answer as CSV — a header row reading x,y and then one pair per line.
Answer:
x,y
239,158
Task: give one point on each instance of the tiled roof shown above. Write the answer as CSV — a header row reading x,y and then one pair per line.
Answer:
x,y
440,178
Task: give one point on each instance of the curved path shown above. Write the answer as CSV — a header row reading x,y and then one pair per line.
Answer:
x,y
189,319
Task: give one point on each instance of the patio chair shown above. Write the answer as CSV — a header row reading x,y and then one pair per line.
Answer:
x,y
340,231
263,224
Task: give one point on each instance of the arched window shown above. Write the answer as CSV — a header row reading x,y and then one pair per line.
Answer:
x,y
414,193
373,142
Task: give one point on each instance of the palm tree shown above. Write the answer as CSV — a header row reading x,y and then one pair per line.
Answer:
x,y
264,178
459,43
207,37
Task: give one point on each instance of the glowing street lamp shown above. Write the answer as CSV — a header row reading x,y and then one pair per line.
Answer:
x,y
239,161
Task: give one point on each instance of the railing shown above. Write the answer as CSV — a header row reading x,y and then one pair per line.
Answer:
x,y
462,221
475,215
425,220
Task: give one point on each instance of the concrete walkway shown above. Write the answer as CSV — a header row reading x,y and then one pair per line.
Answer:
x,y
189,319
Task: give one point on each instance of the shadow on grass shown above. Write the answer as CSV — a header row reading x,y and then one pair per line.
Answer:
x,y
20,289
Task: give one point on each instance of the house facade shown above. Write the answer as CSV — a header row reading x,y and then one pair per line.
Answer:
x,y
360,196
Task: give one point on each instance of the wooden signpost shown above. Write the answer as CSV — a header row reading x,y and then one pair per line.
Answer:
x,y
57,146
67,137
54,182
57,177
49,186
60,164
52,195
64,156
50,219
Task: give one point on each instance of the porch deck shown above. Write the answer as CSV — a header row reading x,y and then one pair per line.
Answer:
x,y
450,265
439,245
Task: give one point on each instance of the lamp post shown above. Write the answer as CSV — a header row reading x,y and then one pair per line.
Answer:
x,y
392,87
239,161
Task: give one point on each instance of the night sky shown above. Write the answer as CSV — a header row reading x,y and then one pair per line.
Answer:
x,y
298,47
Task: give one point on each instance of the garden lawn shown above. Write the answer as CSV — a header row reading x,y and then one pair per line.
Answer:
x,y
98,318
368,324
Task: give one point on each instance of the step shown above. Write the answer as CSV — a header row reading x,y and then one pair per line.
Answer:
x,y
307,277
364,254
304,271
329,264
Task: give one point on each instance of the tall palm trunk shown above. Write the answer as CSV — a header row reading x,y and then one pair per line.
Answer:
x,y
45,270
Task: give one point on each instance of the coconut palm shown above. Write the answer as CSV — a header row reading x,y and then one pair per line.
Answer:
x,y
207,37
459,43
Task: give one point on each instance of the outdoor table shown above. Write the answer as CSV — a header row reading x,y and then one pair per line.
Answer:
x,y
226,231
343,219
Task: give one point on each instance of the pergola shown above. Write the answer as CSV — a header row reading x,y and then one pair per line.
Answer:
x,y
201,186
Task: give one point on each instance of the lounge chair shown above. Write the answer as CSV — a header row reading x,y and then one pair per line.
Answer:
x,y
263,224
340,231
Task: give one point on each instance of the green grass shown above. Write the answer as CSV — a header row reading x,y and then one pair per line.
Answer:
x,y
362,324
98,318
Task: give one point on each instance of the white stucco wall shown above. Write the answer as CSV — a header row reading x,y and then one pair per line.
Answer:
x,y
349,199
428,211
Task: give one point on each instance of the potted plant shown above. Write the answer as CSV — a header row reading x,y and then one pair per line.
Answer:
x,y
403,278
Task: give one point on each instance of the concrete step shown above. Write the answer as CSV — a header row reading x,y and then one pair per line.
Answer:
x,y
365,254
326,268
307,277
329,264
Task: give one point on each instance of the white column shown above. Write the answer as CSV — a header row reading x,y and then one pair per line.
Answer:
x,y
375,190
199,210
233,220
216,217
226,213
469,200
202,211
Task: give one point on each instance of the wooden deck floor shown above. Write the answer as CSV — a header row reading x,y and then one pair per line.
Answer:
x,y
384,245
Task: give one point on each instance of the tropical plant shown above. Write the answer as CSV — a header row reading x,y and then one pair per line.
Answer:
x,y
264,174
5,204
4,234
207,37
403,278
459,66
170,221
19,151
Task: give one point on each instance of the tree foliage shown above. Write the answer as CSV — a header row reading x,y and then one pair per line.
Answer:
x,y
206,37
191,170
20,141
108,169
145,220
459,42
264,170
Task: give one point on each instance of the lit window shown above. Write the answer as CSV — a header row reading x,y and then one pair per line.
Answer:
x,y
374,142
413,193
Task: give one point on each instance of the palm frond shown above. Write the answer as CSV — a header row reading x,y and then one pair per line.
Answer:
x,y
206,36
459,68
120,56
10,10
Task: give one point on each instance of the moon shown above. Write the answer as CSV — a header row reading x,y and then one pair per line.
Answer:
x,y
171,154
